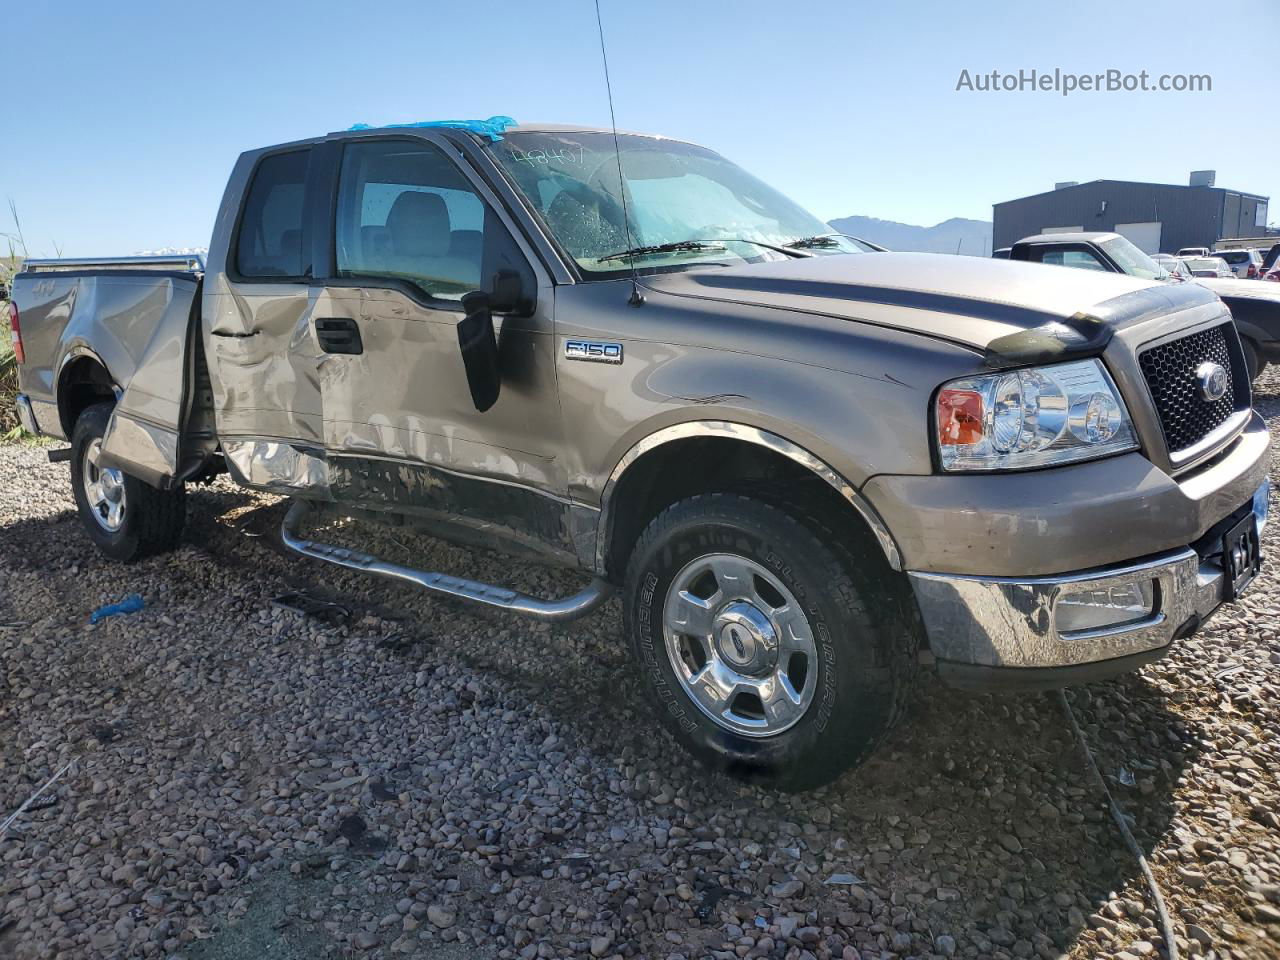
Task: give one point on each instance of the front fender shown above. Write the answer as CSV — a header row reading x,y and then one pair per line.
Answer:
x,y
853,394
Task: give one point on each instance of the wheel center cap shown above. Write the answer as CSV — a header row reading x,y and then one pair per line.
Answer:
x,y
745,638
111,485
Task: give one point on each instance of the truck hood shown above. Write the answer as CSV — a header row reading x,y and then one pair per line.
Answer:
x,y
973,301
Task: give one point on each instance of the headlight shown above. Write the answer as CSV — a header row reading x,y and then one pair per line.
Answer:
x,y
1032,417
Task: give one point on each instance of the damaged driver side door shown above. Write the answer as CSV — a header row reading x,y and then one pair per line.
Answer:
x,y
413,232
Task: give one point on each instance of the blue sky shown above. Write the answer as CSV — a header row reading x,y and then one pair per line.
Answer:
x,y
124,122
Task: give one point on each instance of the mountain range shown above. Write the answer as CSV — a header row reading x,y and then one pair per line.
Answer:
x,y
957,235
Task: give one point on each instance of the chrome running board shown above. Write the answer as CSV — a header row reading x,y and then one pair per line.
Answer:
x,y
511,601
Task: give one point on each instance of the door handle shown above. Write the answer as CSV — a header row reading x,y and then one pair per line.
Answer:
x,y
339,335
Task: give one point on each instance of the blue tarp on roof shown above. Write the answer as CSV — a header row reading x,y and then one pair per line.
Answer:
x,y
491,128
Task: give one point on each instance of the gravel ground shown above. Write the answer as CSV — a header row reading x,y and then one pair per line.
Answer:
x,y
425,780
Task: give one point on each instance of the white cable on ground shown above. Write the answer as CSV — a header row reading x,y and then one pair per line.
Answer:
x,y
4,827
1166,928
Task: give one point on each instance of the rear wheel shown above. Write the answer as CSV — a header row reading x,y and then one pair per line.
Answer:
x,y
769,652
124,517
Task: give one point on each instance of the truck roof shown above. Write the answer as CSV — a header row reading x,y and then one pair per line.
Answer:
x,y
363,130
1079,237
536,127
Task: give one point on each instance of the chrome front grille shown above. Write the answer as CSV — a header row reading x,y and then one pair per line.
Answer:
x,y
1170,370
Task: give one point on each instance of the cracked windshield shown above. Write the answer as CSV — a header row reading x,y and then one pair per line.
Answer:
x,y
688,206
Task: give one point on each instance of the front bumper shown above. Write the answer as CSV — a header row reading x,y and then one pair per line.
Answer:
x,y
1044,522
26,416
1004,633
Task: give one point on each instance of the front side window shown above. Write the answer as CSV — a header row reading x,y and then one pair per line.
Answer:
x,y
675,193
272,227
406,212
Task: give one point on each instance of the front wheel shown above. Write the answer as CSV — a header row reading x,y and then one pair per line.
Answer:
x,y
124,517
768,652
1253,361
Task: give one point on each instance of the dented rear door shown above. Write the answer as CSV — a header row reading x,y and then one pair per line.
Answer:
x,y
261,353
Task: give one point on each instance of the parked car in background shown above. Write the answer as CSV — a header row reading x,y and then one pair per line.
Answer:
x,y
1000,253
1271,259
4,290
1193,252
1177,269
801,464
1255,306
1245,264
1207,267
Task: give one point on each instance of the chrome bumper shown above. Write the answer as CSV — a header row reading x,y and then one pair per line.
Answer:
x,y
999,622
26,416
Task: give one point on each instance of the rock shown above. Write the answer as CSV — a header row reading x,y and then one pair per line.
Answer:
x,y
1265,913
441,916
945,945
600,945
1010,842
787,889
1192,878
1200,935
809,935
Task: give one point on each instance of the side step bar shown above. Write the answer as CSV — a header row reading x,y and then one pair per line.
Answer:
x,y
511,601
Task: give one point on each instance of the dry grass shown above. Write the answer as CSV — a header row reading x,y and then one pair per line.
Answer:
x,y
8,385
9,429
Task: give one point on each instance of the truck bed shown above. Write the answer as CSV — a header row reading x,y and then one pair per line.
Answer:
x,y
129,322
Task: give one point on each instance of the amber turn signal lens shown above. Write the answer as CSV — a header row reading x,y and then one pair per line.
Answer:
x,y
959,417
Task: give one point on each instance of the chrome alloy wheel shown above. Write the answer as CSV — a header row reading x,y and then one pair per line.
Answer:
x,y
103,489
740,645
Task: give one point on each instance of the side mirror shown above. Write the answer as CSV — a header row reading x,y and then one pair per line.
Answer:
x,y
479,346
508,295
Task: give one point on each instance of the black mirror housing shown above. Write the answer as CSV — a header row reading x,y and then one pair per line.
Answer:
x,y
479,346
509,294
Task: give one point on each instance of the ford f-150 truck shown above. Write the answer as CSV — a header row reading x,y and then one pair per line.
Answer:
x,y
805,466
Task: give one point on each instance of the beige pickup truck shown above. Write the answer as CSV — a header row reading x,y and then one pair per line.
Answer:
x,y
807,466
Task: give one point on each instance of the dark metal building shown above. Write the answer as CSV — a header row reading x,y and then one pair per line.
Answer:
x,y
1158,217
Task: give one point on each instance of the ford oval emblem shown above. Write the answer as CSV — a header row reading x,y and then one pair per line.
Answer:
x,y
1211,379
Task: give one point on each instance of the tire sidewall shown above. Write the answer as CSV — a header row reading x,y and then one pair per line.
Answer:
x,y
120,544
851,685
1252,358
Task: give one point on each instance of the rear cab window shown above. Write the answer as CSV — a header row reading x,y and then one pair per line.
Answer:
x,y
271,240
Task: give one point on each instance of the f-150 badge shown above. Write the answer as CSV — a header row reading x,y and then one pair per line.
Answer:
x,y
593,350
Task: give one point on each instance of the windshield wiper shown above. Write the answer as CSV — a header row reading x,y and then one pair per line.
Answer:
x,y
824,240
680,246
